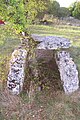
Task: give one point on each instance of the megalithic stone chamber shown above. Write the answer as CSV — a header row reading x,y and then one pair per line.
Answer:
x,y
67,68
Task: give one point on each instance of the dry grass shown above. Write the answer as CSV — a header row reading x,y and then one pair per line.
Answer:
x,y
47,105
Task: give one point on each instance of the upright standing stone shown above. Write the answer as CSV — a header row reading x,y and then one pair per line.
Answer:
x,y
17,71
68,71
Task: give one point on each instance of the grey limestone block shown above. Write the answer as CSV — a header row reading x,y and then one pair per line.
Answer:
x,y
51,42
17,71
68,71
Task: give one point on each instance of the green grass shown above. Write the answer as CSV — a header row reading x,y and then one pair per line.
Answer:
x,y
8,42
73,33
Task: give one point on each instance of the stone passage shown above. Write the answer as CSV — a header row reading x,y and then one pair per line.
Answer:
x,y
68,71
16,71
67,68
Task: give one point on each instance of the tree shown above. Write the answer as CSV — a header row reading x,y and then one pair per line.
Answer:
x,y
42,12
34,7
64,12
21,12
3,8
72,7
54,8
13,11
75,10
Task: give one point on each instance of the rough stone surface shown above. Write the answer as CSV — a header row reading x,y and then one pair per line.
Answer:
x,y
68,71
51,42
16,72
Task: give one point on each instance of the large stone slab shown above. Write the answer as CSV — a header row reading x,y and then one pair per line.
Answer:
x,y
51,42
68,71
17,71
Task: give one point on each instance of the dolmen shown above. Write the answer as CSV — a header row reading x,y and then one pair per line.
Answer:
x,y
66,66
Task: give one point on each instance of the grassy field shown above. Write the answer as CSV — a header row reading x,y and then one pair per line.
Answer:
x,y
47,104
8,41
71,32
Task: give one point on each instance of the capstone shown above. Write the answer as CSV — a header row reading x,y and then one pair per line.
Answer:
x,y
51,42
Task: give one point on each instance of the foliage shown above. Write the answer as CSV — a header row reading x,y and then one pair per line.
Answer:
x,y
57,11
3,9
16,14
72,7
54,8
64,12
41,14
35,7
21,12
75,10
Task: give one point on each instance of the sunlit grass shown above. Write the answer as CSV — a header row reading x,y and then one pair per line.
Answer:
x,y
8,42
62,31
